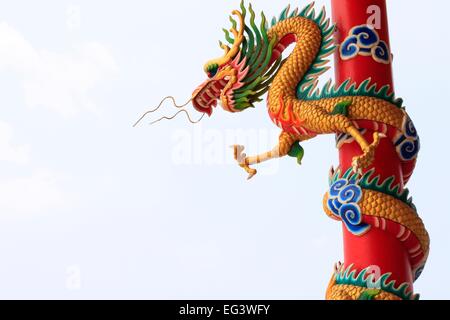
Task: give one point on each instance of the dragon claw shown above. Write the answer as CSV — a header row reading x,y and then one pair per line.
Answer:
x,y
251,173
241,158
239,154
366,159
357,169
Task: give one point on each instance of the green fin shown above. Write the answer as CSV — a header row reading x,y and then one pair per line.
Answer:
x,y
369,294
342,108
297,151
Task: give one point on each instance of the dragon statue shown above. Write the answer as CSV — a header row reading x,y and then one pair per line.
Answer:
x,y
362,116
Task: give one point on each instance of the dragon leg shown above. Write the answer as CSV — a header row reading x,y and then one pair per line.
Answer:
x,y
285,143
321,121
366,159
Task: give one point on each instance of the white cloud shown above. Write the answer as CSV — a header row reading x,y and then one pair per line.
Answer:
x,y
19,154
37,193
22,196
58,81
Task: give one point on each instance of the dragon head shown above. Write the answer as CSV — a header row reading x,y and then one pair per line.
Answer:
x,y
241,76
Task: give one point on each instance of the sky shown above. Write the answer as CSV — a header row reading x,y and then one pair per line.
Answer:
x,y
92,208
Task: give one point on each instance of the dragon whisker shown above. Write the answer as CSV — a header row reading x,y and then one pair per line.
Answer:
x,y
159,106
176,114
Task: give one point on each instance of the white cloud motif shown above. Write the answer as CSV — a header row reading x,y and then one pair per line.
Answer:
x,y
58,81
19,154
25,195
29,195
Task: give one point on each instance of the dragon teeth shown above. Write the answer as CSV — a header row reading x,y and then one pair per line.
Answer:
x,y
209,93
216,90
201,103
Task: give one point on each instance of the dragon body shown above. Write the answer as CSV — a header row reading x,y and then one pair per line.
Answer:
x,y
253,65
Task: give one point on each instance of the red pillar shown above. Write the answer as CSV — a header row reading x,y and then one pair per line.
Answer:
x,y
348,14
358,62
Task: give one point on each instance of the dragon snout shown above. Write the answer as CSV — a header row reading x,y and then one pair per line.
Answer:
x,y
205,97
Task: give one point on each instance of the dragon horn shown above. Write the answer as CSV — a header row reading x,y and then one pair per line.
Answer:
x,y
230,53
238,36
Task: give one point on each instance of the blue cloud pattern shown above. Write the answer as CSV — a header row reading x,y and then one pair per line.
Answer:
x,y
364,40
344,196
